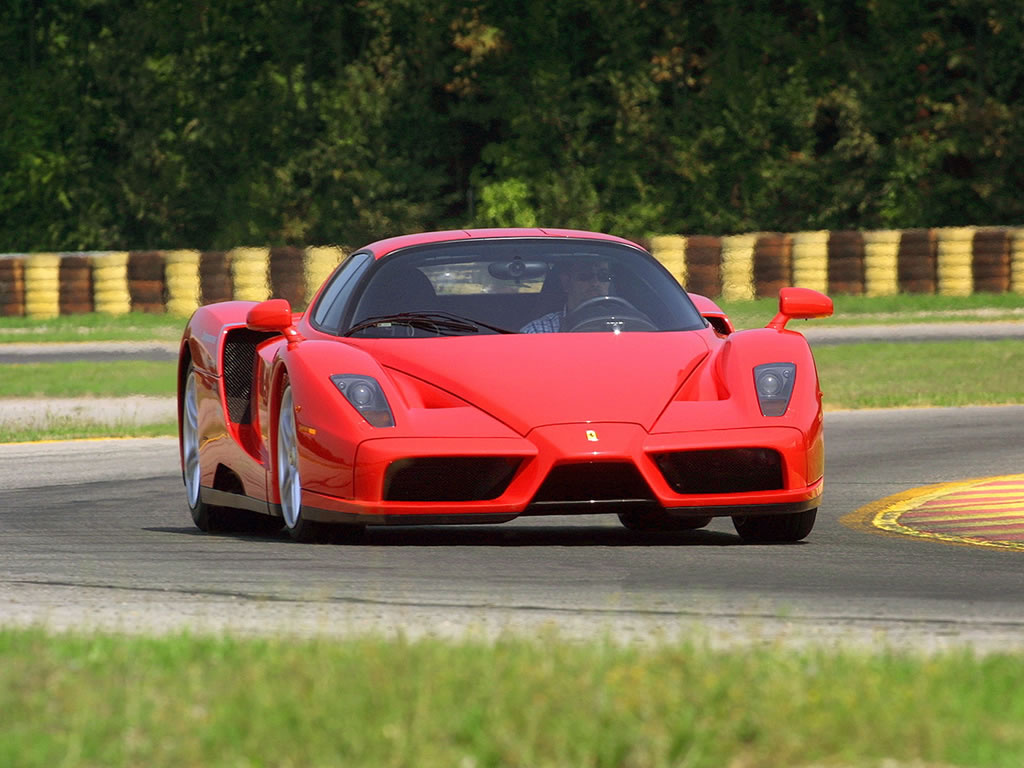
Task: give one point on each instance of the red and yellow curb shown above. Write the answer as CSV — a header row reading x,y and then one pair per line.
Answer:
x,y
984,512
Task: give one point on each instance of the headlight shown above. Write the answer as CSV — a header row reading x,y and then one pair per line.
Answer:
x,y
366,396
774,384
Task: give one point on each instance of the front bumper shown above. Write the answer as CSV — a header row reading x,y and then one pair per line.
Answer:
x,y
572,469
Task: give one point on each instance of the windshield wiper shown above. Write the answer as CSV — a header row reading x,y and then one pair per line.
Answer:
x,y
441,323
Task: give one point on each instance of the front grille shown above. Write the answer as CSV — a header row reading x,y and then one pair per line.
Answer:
x,y
449,478
593,481
731,470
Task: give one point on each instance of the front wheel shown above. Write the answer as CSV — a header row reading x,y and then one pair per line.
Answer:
x,y
775,529
289,484
209,517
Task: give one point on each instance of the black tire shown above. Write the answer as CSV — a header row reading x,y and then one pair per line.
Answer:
x,y
289,483
205,516
642,521
775,529
210,517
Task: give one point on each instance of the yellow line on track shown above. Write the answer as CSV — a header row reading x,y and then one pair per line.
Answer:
x,y
886,515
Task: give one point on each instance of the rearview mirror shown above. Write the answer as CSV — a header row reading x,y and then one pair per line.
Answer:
x,y
800,304
273,315
270,315
517,269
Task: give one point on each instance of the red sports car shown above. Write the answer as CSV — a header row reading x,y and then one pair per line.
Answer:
x,y
476,376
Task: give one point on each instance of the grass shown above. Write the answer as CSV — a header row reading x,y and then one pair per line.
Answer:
x,y
936,373
82,378
891,310
137,326
62,428
110,700
850,310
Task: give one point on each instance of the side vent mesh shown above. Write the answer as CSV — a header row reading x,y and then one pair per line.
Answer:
x,y
239,357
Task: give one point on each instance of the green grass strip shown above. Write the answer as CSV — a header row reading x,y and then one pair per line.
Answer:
x,y
101,700
890,310
80,378
136,326
903,308
69,429
935,373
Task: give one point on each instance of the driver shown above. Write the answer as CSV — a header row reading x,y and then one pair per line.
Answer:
x,y
585,279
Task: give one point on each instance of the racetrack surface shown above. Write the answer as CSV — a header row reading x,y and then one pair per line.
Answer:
x,y
97,535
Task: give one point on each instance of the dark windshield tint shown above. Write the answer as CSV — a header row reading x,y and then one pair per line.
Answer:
x,y
512,283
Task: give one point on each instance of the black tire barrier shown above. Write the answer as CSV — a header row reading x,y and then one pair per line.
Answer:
x,y
950,261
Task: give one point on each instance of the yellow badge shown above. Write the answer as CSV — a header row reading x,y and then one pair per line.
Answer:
x,y
591,435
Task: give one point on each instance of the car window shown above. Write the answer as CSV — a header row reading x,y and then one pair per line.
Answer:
x,y
330,306
510,282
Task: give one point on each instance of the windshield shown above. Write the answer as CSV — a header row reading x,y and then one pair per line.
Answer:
x,y
519,285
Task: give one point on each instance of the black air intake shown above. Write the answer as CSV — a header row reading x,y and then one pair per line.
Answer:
x,y
730,470
449,478
594,481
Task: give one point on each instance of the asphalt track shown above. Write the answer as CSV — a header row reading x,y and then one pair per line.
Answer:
x,y
96,535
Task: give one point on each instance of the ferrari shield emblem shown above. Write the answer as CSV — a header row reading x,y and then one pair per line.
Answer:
x,y
592,435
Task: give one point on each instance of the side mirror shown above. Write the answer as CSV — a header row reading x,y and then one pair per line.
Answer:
x,y
274,315
800,304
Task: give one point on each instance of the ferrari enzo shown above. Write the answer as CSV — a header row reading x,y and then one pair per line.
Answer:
x,y
476,376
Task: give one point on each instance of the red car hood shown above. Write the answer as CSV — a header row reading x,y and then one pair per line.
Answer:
x,y
532,380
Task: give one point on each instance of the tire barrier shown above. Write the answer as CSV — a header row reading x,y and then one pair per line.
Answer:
x,y
75,285
951,261
215,282
181,279
286,273
250,269
110,278
42,285
846,263
146,286
738,267
704,265
773,263
810,260
915,265
12,287
954,261
991,263
881,262
1017,261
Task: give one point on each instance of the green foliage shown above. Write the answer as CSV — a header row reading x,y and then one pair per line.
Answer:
x,y
113,700
161,124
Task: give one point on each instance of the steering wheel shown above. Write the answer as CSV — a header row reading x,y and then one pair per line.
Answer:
x,y
607,313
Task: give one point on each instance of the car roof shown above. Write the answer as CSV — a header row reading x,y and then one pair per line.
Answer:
x,y
392,244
